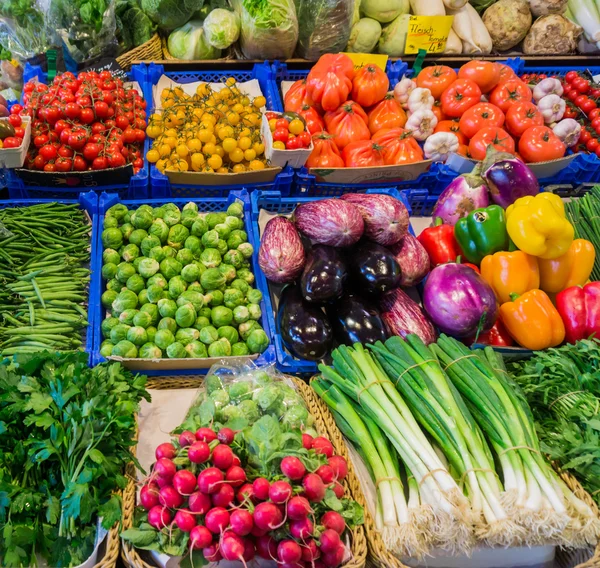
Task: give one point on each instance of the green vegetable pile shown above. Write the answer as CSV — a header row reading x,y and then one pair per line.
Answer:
x,y
179,284
43,280
65,436
134,27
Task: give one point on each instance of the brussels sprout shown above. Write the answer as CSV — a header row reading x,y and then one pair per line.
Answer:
x,y
160,230
114,284
246,249
154,293
221,316
118,211
164,338
254,311
125,349
185,315
220,397
220,348
193,245
234,223
205,312
241,234
201,322
137,335
188,217
241,285
137,236
213,383
176,351
267,396
157,253
109,271
172,216
106,348
185,256
187,335
111,256
239,349
167,308
148,267
234,257
149,243
241,314
108,298
254,296
233,298
212,279
261,379
199,227
190,206
249,408
231,411
257,341
209,335
158,212
127,316
151,309
135,283
168,323
246,275
177,236
142,319
195,287
141,219
196,350
228,271
137,261
236,209
125,300
234,241
210,257
224,230
170,267
194,298
296,416
107,325
151,332
112,238
150,351
158,280
213,219
177,286
143,297
215,298
170,252
245,329
190,272
240,390
210,239
222,246
229,333
126,230
119,332
127,217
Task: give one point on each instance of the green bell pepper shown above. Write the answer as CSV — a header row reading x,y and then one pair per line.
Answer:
x,y
482,232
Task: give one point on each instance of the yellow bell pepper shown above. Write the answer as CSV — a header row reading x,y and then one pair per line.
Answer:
x,y
538,226
571,269
510,273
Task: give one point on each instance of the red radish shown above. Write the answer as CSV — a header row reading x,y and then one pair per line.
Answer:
x,y
216,520
298,508
249,550
289,551
222,457
266,547
293,468
212,552
210,480
307,441
232,546
326,473
334,521
330,541
245,493
291,565
310,551
236,461
159,517
241,522
199,503
226,436
313,487
149,496
168,497
261,488
165,468
184,482
339,466
199,452
185,520
224,496
200,537
322,446
186,438
280,492
258,532
166,450
235,475
205,435
334,558
338,489
267,516
162,482
301,530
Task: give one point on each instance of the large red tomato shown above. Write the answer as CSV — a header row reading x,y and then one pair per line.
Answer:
x,y
522,116
485,73
451,126
337,62
363,153
490,136
348,124
509,93
312,118
386,114
506,73
330,80
437,79
297,97
399,146
480,116
540,144
459,97
325,153
370,85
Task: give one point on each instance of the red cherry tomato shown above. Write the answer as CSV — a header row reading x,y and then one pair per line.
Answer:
x,y
282,123
592,144
48,152
15,120
571,76
280,135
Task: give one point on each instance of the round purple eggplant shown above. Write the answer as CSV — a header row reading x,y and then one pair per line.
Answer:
x,y
373,268
324,275
356,320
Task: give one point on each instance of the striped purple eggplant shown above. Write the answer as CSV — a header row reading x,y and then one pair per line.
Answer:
x,y
281,255
413,260
403,316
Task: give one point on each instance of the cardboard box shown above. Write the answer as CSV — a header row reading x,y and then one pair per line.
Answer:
x,y
293,158
84,180
204,178
15,157
392,174
167,364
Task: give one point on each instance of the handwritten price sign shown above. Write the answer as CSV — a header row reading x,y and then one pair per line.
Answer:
x,y
427,32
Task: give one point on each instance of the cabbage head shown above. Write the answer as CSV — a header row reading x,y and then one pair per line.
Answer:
x,y
364,36
189,42
170,14
222,28
393,37
384,11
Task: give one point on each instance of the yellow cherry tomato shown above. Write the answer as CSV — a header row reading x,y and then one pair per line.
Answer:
x,y
295,126
152,156
230,82
239,168
194,145
222,170
279,145
154,130
182,150
272,124
225,132
249,154
215,161
164,150
204,135
197,160
170,141
161,165
230,144
209,148
233,118
260,102
256,165
244,142
237,155
219,150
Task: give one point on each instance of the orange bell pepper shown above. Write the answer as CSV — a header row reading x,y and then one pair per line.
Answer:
x,y
510,273
571,269
533,321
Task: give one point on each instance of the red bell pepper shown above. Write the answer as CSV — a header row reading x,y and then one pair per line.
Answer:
x,y
440,243
579,308
498,336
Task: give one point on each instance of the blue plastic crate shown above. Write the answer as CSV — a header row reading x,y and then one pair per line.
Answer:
x,y
138,185
205,205
274,202
87,201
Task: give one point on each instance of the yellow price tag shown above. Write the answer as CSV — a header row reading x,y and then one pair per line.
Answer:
x,y
427,32
362,59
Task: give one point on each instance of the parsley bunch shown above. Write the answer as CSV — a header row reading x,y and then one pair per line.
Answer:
x,y
66,433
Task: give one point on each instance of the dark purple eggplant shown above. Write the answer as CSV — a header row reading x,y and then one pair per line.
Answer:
x,y
304,329
324,275
355,319
374,269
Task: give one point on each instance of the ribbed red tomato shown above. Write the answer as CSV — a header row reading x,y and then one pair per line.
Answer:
x,y
386,114
348,124
399,146
325,153
362,153
370,85
490,136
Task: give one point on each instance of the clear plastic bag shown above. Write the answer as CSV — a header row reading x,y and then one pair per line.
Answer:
x,y
23,29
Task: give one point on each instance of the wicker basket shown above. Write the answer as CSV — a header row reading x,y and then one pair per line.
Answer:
x,y
132,557
149,51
